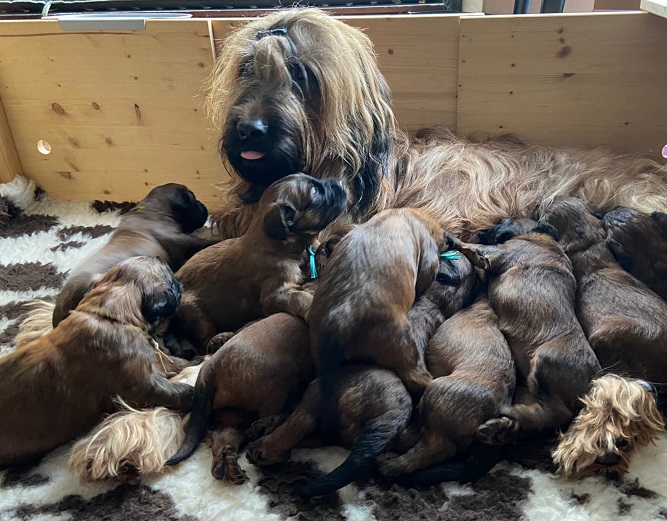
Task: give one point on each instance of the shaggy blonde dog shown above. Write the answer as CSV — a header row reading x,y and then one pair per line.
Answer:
x,y
299,90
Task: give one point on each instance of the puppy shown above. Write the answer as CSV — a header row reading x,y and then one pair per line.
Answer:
x,y
159,226
360,308
253,375
258,274
372,408
639,243
61,384
474,379
625,323
532,291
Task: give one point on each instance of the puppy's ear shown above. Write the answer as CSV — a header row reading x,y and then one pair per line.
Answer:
x,y
595,211
448,273
620,255
661,220
547,229
279,220
161,303
503,235
188,211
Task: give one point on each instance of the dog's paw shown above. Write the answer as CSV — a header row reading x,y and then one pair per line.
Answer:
x,y
229,472
390,467
263,426
218,341
259,456
497,431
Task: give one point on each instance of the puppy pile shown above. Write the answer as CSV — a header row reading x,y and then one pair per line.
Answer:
x,y
388,337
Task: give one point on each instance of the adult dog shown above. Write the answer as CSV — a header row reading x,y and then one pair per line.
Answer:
x,y
298,90
243,279
59,385
626,325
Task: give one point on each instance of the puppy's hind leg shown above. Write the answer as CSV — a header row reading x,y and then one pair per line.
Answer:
x,y
227,438
288,298
160,391
431,448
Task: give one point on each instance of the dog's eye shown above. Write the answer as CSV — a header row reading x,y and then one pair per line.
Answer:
x,y
622,443
246,69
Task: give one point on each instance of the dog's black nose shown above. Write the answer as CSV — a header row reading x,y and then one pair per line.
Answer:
x,y
251,128
608,459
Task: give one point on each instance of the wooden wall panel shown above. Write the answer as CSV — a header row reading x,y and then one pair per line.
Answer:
x,y
419,57
120,110
10,164
580,80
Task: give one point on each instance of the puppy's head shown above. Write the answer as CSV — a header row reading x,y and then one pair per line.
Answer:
x,y
507,229
178,202
630,233
139,291
300,206
578,223
619,415
330,239
456,285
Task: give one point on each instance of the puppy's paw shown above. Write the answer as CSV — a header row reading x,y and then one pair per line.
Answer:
x,y
226,468
263,426
390,468
218,341
259,456
498,431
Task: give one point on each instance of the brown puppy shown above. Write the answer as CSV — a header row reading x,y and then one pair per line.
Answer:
x,y
159,226
474,379
532,290
239,280
373,407
625,322
61,384
253,375
639,243
360,309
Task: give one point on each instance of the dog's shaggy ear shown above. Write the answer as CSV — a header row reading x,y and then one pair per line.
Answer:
x,y
279,220
547,229
448,273
661,220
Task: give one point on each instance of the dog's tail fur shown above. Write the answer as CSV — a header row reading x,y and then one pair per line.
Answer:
x,y
127,443
202,404
479,463
38,322
331,351
371,442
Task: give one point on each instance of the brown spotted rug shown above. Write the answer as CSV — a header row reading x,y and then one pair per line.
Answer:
x,y
41,240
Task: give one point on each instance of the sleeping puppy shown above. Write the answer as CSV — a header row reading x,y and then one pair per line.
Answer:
x,y
639,243
372,408
532,290
253,375
242,279
626,325
474,378
61,384
360,308
159,226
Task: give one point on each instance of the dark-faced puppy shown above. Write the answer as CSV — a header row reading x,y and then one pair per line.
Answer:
x,y
61,384
258,274
639,243
159,226
474,379
373,406
626,325
360,309
253,375
532,290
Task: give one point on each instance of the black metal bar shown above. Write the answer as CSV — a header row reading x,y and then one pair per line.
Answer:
x,y
521,6
552,6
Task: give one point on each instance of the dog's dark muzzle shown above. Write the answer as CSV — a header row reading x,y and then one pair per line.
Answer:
x,y
608,459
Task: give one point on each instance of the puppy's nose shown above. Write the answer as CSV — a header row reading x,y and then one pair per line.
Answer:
x,y
608,459
251,128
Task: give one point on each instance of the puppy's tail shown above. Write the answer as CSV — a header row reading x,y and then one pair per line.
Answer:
x,y
37,323
202,403
331,351
371,442
479,463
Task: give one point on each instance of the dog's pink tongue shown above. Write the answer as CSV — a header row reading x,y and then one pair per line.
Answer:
x,y
251,155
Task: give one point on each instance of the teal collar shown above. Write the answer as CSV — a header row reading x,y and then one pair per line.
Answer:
x,y
451,255
311,263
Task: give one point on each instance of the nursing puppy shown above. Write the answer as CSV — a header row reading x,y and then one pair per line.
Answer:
x,y
253,375
61,384
242,279
532,290
474,378
626,325
360,308
159,226
639,243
